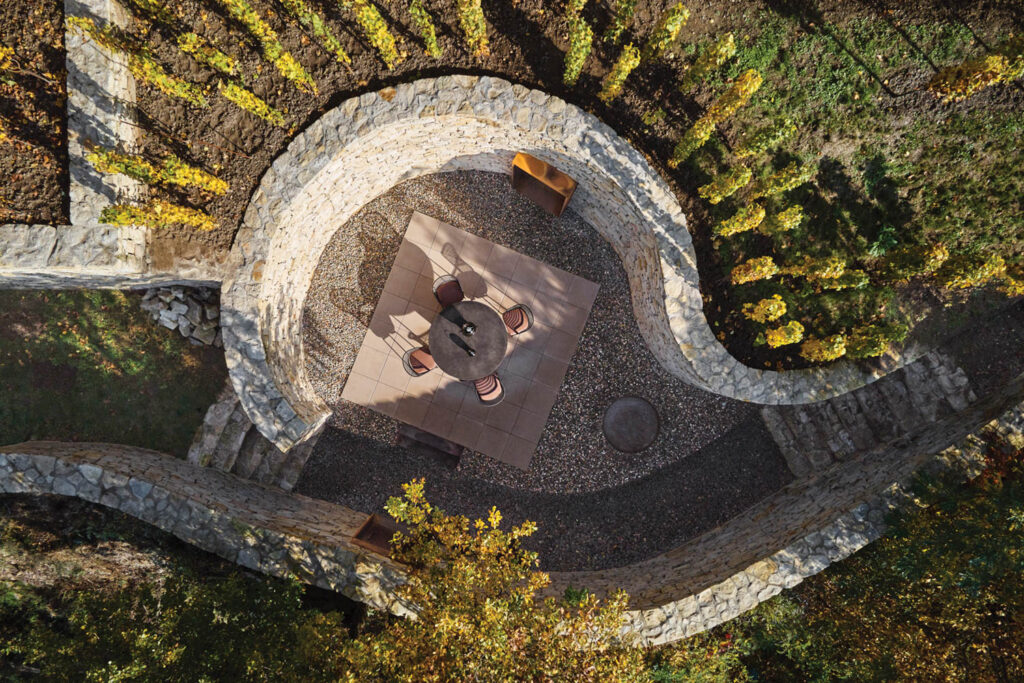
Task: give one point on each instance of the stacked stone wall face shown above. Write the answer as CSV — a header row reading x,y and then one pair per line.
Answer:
x,y
368,144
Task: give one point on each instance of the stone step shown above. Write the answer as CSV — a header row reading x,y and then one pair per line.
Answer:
x,y
250,454
814,437
429,445
270,464
231,439
288,474
216,419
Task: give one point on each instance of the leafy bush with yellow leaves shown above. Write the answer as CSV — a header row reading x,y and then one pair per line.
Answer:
x,y
850,279
765,310
792,175
790,333
725,185
910,261
375,29
665,32
824,350
738,94
760,268
157,213
622,16
474,26
270,45
205,53
961,272
813,269
763,139
744,220
172,171
783,221
250,102
955,83
581,40
869,341
717,54
425,25
312,21
612,84
140,62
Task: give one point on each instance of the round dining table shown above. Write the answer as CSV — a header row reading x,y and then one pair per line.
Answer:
x,y
468,340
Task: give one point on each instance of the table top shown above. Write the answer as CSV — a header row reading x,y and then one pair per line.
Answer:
x,y
489,341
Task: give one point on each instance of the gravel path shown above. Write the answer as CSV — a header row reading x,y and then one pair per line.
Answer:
x,y
712,458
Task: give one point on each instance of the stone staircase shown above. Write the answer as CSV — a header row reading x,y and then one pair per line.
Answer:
x,y
228,441
814,437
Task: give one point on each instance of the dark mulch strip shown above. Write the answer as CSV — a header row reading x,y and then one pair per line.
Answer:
x,y
34,161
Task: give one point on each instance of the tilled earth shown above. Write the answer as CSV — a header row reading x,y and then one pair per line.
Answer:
x,y
712,457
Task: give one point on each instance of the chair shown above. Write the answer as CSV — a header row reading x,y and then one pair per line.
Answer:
x,y
418,361
489,390
448,291
518,319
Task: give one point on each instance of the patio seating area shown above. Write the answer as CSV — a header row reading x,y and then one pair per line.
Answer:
x,y
495,386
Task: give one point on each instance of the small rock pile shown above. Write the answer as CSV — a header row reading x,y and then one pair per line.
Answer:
x,y
194,312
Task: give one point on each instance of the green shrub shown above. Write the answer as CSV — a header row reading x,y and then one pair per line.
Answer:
x,y
622,16
766,138
425,25
725,185
581,40
612,84
140,62
375,29
312,21
717,54
474,26
205,53
157,213
573,9
173,171
814,269
270,45
251,103
666,31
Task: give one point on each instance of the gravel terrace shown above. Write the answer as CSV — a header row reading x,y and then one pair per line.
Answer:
x,y
712,458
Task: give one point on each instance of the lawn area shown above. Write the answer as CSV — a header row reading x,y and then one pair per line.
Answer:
x,y
92,366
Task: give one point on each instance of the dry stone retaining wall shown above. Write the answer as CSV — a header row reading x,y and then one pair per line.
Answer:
x,y
676,595
259,527
366,145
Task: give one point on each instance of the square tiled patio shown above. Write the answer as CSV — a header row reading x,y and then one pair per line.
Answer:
x,y
535,362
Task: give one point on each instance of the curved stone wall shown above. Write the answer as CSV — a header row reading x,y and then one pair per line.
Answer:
x,y
365,146
689,589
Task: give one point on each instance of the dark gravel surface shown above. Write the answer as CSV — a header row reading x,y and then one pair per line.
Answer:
x,y
712,458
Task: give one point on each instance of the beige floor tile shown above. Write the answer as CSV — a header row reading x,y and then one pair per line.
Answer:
x,y
359,389
491,441
439,420
529,425
502,416
369,362
412,410
518,452
394,374
422,229
465,431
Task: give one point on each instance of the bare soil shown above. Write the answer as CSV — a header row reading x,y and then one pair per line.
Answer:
x,y
33,158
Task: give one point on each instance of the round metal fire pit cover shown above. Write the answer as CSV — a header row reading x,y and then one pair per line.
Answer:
x,y
630,424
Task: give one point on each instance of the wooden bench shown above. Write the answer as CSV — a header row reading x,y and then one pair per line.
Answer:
x,y
541,182
375,534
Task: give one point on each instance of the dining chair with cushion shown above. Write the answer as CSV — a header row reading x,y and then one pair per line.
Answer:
x,y
448,291
489,390
418,361
518,319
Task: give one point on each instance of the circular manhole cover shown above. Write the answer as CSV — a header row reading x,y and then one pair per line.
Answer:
x,y
630,424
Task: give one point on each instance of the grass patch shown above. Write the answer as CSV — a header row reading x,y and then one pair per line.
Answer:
x,y
91,366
